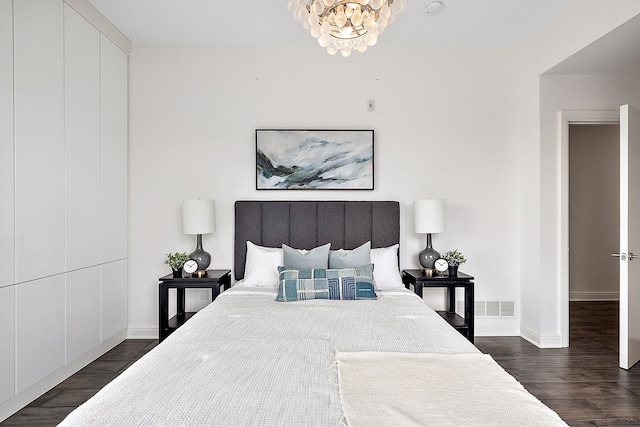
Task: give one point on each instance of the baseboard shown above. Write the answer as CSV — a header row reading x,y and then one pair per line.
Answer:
x,y
496,327
22,399
540,340
142,333
594,296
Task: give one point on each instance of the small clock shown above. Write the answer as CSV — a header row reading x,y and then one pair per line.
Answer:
x,y
441,265
190,266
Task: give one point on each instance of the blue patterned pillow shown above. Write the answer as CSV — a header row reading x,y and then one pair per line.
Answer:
x,y
337,284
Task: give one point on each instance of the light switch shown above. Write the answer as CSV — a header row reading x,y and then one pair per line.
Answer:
x,y
371,105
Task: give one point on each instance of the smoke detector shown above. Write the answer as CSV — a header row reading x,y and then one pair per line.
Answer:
x,y
433,8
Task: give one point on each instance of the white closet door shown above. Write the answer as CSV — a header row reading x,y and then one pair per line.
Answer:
x,y
114,152
39,137
82,141
8,340
114,298
40,329
83,311
7,255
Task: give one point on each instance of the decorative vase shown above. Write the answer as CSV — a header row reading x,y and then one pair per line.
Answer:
x,y
453,271
177,274
428,255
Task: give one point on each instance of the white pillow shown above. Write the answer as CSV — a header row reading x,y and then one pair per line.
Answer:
x,y
385,267
261,265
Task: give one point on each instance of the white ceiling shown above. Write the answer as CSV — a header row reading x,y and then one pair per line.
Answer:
x,y
486,22
461,22
617,52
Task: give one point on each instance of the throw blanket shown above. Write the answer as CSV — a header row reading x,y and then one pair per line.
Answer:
x,y
427,389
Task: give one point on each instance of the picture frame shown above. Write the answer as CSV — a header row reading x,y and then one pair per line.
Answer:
x,y
314,159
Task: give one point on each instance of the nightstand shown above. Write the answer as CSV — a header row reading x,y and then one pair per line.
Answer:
x,y
215,280
419,280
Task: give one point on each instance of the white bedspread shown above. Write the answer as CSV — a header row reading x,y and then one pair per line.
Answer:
x,y
426,389
247,360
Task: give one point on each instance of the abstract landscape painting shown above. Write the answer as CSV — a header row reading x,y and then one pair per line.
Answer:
x,y
314,159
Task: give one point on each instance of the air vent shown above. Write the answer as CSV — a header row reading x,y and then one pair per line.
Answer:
x,y
491,308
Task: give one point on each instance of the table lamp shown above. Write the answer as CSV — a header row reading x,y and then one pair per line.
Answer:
x,y
199,217
428,218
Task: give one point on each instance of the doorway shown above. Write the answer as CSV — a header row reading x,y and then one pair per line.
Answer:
x,y
567,119
593,212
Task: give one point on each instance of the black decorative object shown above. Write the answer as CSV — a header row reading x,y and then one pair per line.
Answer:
x,y
453,271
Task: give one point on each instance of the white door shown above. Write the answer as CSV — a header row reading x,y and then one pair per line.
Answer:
x,y
629,236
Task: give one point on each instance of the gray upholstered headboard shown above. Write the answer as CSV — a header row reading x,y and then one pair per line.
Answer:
x,y
307,224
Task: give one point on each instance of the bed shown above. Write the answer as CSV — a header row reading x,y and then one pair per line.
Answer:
x,y
255,358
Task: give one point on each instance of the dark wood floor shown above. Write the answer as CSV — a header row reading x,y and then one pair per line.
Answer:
x,y
582,383
52,407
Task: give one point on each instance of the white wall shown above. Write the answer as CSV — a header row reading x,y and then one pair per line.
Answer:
x,y
444,127
583,23
565,93
460,123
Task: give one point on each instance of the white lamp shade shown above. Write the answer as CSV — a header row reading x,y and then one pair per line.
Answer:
x,y
428,216
198,216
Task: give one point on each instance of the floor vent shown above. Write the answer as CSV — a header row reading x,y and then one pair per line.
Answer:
x,y
492,308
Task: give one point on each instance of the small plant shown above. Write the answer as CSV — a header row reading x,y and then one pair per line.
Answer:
x,y
176,261
454,258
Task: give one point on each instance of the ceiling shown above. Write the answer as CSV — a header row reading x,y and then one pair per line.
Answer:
x,y
617,52
499,23
478,22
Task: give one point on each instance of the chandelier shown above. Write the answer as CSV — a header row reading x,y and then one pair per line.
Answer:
x,y
346,25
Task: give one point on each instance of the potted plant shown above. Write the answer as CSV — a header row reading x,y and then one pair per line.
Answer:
x,y
176,261
455,258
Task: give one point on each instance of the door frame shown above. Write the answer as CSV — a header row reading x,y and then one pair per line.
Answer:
x,y
569,117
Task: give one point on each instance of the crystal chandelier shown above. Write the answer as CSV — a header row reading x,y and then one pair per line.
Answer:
x,y
346,25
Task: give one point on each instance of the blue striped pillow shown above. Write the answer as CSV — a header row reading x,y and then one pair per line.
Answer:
x,y
337,284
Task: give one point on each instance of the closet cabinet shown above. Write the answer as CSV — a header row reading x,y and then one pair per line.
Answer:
x,y
40,329
39,138
7,255
82,140
63,186
114,298
114,98
8,348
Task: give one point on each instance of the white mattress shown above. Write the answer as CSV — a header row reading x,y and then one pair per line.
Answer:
x,y
247,360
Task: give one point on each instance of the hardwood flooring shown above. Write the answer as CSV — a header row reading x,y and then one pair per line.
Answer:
x,y
52,407
582,383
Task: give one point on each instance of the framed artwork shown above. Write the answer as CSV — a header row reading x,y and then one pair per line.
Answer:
x,y
314,159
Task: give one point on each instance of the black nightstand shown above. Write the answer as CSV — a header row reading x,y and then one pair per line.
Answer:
x,y
215,280
419,280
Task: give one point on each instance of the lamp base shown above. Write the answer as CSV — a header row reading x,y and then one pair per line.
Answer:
x,y
428,255
202,257
200,274
429,272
